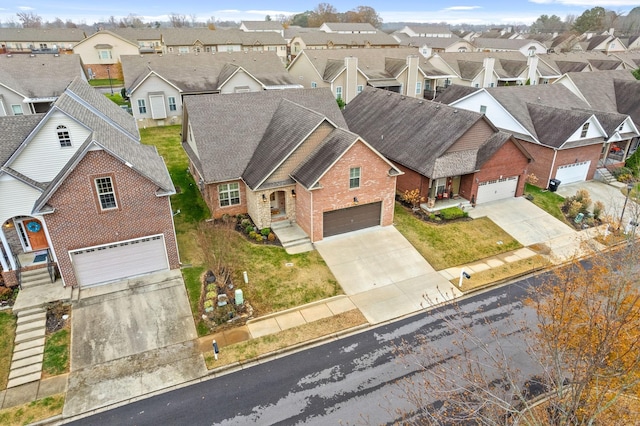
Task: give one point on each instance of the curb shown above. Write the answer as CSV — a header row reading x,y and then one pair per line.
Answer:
x,y
297,308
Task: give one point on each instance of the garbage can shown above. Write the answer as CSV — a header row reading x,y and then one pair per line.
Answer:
x,y
553,185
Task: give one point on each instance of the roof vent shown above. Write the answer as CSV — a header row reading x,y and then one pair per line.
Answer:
x,y
455,111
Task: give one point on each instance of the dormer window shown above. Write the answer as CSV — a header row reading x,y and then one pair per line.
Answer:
x,y
585,130
63,136
621,127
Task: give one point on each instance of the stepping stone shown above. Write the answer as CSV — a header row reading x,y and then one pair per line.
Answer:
x,y
25,371
33,377
29,335
23,319
29,344
37,350
33,325
25,361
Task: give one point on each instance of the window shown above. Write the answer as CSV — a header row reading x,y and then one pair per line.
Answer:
x,y
183,50
418,88
172,103
354,177
339,92
483,109
44,45
427,85
359,88
142,106
585,130
63,136
106,194
491,84
621,127
462,49
17,109
447,82
425,51
314,84
229,194
105,54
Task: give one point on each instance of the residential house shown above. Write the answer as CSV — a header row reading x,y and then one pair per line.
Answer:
x,y
563,134
203,40
338,36
286,155
426,30
79,193
613,92
157,84
262,26
554,42
39,40
446,153
524,46
29,84
430,45
606,43
347,72
631,42
581,62
630,58
149,40
101,54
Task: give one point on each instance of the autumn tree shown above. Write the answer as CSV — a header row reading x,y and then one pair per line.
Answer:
x,y
590,20
324,12
29,20
579,342
364,14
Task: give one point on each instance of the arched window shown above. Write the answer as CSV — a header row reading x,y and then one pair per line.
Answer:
x,y
63,136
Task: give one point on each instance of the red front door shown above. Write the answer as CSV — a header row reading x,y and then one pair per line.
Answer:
x,y
35,233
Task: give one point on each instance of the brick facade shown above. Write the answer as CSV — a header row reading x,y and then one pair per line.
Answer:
x,y
78,220
375,185
411,180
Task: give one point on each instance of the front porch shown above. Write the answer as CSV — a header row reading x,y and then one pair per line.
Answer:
x,y
445,203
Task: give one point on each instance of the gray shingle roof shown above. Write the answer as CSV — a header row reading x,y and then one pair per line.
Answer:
x,y
326,154
501,43
411,132
627,95
48,75
454,92
554,126
493,144
288,127
350,26
41,34
189,36
598,87
135,35
226,145
15,128
262,25
433,42
468,64
320,38
206,72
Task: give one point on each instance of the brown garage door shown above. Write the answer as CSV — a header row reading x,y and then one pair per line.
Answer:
x,y
351,219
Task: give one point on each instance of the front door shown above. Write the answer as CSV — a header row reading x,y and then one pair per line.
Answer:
x,y
35,233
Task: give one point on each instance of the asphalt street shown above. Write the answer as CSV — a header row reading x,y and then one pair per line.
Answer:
x,y
359,379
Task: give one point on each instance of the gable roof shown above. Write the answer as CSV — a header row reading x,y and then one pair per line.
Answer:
x,y
226,145
349,26
503,43
47,77
262,25
468,65
206,72
413,132
189,37
15,128
41,34
598,88
454,92
321,38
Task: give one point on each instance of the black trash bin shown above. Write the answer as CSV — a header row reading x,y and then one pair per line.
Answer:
x,y
553,185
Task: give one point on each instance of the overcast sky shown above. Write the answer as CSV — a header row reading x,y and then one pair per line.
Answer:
x,y
452,11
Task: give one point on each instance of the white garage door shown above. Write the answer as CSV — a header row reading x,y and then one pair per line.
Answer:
x,y
576,172
497,189
112,262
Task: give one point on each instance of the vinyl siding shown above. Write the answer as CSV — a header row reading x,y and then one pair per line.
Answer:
x,y
240,79
16,198
155,84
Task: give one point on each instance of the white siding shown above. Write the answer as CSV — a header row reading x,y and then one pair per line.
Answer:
x,y
240,79
594,131
155,84
43,157
495,112
16,198
9,98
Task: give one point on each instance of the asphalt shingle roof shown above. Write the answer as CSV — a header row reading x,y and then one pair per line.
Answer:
x,y
598,87
15,128
320,38
48,75
40,34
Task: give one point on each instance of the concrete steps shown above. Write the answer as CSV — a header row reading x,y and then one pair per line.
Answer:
x,y
292,237
604,175
35,277
28,351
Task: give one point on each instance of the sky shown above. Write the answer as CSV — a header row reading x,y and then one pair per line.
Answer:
x,y
499,12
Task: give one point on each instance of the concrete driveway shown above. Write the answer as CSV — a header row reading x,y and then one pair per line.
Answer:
x,y
383,274
131,338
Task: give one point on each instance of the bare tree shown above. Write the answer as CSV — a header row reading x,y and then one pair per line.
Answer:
x,y
29,20
177,20
131,21
324,12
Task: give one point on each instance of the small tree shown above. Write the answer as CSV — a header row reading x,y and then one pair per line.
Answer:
x,y
413,197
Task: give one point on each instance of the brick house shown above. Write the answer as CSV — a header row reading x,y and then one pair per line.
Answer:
x,y
78,191
444,152
567,138
286,155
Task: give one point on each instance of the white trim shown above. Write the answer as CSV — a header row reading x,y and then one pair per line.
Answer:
x,y
7,249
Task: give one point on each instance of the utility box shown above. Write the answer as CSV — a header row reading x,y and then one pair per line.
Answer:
x,y
553,185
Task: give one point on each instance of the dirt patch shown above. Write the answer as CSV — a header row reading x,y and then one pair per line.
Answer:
x,y
58,315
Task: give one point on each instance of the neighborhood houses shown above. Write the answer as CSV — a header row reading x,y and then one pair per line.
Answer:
x,y
169,190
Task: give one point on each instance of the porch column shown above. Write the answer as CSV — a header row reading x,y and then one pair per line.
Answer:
x,y
7,250
3,262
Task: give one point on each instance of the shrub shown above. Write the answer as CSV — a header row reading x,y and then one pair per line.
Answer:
x,y
212,294
265,232
245,223
584,198
574,208
412,197
253,234
633,163
271,236
208,304
259,237
248,229
452,213
212,287
532,179
598,208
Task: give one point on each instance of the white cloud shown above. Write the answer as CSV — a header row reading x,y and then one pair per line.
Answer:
x,y
26,8
453,8
589,3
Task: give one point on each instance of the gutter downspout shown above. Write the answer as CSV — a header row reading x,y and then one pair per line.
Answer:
x,y
553,164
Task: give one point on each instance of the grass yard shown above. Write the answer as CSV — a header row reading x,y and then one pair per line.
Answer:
x,y
7,336
56,353
508,270
255,347
273,286
546,200
105,82
32,411
117,98
454,243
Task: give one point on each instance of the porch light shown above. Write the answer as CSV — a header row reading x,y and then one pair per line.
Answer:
x,y
264,198
8,224
293,193
355,200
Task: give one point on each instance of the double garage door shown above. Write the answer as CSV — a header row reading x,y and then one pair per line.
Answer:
x,y
117,261
497,189
576,172
351,219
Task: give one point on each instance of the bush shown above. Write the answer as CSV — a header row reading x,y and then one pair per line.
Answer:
x,y
253,234
412,197
271,236
265,232
573,208
245,223
598,207
208,304
212,294
633,163
248,229
452,213
259,237
584,198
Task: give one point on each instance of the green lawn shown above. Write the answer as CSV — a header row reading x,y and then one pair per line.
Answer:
x,y
104,82
454,243
32,411
546,200
273,285
56,353
117,98
7,336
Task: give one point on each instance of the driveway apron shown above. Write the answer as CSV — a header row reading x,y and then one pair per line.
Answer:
x,y
383,274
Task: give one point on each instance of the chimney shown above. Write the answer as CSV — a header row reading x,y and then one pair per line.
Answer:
x,y
611,31
351,80
412,77
488,64
532,63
